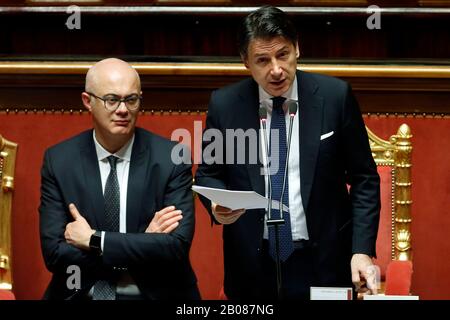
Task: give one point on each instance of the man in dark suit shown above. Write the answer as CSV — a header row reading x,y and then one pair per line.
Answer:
x,y
114,207
329,234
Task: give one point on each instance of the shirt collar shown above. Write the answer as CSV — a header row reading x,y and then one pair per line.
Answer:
x,y
291,94
124,153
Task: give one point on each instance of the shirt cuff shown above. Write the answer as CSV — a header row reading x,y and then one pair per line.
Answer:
x,y
103,240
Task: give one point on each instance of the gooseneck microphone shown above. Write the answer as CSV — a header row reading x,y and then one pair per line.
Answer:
x,y
292,109
263,119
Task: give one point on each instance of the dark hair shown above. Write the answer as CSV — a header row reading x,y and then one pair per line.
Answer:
x,y
265,23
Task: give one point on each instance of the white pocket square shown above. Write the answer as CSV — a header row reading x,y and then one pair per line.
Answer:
x,y
326,135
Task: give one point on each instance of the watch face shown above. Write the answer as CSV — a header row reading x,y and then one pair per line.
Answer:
x,y
95,241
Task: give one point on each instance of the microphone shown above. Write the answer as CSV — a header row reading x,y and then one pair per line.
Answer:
x,y
292,109
263,119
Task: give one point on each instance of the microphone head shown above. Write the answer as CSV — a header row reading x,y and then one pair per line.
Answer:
x,y
262,112
292,107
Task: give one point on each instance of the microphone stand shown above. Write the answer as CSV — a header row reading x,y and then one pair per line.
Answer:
x,y
292,109
270,221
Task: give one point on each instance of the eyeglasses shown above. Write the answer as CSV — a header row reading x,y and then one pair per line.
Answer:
x,y
112,101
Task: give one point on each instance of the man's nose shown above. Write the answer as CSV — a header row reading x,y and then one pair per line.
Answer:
x,y
122,108
276,69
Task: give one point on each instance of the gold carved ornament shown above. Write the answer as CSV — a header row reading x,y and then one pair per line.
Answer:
x,y
8,152
396,153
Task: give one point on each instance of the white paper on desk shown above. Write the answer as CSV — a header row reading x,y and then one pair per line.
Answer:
x,y
330,293
237,199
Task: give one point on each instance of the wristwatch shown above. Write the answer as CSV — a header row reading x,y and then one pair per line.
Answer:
x,y
95,243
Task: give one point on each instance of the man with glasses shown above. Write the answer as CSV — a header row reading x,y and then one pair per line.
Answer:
x,y
116,214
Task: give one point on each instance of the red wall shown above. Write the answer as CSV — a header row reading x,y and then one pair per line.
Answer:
x,y
430,193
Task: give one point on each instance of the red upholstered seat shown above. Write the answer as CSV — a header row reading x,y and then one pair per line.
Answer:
x,y
398,278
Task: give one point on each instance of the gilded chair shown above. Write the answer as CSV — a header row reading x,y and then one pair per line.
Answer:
x,y
393,160
8,152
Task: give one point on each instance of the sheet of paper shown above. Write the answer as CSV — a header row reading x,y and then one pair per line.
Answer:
x,y
331,293
237,199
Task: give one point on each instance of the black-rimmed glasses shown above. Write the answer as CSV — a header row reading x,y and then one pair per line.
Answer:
x,y
112,101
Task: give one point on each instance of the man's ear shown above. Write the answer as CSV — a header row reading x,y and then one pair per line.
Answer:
x,y
86,99
245,61
297,50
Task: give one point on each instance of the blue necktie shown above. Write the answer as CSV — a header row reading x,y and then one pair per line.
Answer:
x,y
106,289
278,122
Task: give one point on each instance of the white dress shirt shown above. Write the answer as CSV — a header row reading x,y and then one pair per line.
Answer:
x,y
125,284
296,210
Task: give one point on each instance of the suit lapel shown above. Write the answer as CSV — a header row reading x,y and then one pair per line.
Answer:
x,y
136,181
93,182
250,104
310,123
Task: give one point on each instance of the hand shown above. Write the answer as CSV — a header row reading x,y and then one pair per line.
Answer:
x,y
225,215
363,269
165,220
78,233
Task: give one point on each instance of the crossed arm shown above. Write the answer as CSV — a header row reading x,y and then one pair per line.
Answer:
x,y
78,232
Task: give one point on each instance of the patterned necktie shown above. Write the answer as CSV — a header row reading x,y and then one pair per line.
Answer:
x,y
278,122
112,198
104,289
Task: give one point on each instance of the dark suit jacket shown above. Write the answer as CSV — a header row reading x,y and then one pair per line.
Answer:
x,y
158,263
339,222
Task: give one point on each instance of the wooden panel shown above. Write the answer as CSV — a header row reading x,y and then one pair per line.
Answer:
x,y
434,3
187,86
63,2
193,2
155,33
330,2
315,3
